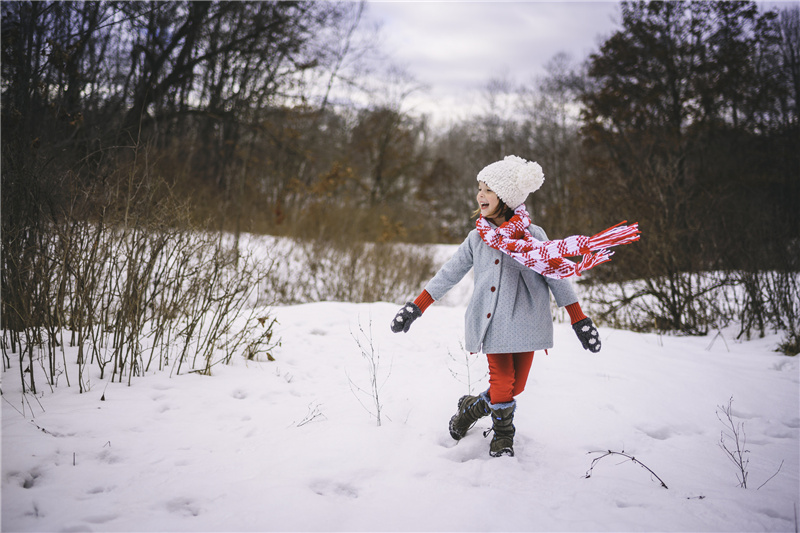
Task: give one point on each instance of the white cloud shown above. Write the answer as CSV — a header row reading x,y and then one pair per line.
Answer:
x,y
455,48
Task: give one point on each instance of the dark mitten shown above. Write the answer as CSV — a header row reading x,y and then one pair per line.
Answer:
x,y
588,335
405,316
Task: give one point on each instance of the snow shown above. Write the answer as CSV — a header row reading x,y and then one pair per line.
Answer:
x,y
289,445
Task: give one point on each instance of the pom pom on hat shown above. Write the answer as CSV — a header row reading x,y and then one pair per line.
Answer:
x,y
512,179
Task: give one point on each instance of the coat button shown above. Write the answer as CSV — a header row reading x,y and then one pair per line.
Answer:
x,y
489,315
496,261
494,289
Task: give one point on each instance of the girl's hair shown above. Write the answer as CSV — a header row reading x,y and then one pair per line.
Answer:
x,y
502,211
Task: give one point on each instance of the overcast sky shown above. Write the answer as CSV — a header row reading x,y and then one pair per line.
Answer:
x,y
456,47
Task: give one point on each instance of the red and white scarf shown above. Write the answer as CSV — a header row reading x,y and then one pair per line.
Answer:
x,y
549,258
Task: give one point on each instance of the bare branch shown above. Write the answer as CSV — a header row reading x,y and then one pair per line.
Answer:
x,y
738,455
628,457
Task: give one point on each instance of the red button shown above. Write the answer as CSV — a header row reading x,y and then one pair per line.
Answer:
x,y
496,261
494,289
489,315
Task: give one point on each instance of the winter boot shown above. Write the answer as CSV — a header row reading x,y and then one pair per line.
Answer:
x,y
503,427
470,409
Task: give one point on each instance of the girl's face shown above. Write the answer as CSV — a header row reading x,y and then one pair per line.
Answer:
x,y
488,202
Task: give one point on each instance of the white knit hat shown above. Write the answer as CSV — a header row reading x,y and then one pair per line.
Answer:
x,y
512,179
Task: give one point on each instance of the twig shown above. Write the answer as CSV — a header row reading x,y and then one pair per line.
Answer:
x,y
354,389
313,412
14,407
737,456
373,358
469,359
772,476
40,428
623,454
24,400
719,334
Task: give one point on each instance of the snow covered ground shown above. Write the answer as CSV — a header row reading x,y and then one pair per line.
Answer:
x,y
289,445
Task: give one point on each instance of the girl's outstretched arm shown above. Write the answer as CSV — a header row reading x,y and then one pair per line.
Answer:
x,y
445,279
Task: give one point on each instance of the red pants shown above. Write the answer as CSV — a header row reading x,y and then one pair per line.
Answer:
x,y
508,373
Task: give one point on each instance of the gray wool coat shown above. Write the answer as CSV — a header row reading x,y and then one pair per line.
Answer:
x,y
510,307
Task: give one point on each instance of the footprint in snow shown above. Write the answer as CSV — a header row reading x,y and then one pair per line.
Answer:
x,y
329,488
77,529
239,394
446,441
662,433
26,480
99,490
779,434
106,456
625,505
183,506
772,513
101,519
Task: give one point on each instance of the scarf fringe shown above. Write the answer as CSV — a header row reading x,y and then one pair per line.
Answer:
x,y
615,236
549,258
591,260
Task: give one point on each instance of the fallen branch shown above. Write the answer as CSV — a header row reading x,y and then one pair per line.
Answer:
x,y
623,454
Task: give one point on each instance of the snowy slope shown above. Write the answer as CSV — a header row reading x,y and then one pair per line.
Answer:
x,y
287,445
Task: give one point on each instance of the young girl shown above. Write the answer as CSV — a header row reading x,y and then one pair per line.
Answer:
x,y
515,270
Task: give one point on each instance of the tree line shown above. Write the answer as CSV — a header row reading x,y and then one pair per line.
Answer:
x,y
235,114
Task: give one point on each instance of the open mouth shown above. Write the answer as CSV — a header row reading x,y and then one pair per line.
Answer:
x,y
484,205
